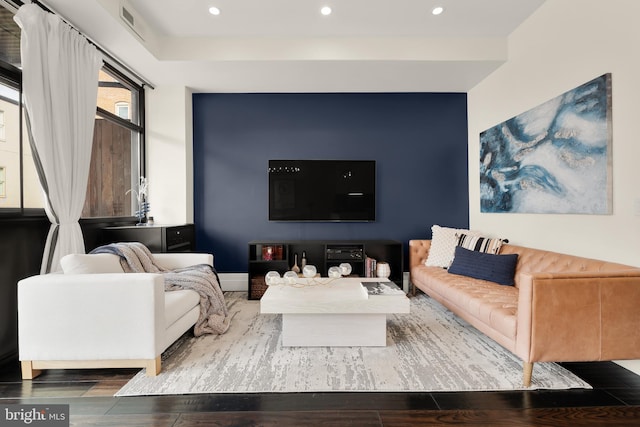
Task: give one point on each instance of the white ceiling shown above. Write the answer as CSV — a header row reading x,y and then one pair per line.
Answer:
x,y
288,46
349,18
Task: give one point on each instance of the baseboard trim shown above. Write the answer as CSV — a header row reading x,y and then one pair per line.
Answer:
x,y
234,281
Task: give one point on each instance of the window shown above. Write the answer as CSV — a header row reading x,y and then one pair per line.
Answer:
x,y
118,143
21,187
122,110
116,158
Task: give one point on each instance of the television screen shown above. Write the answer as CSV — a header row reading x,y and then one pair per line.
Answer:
x,y
322,190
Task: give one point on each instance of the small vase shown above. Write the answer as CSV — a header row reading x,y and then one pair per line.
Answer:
x,y
290,277
295,267
334,272
383,270
267,253
309,271
345,268
272,278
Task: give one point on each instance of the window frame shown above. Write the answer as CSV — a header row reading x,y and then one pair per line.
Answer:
x,y
12,76
121,107
129,124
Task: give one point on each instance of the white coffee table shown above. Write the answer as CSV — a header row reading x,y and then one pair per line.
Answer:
x,y
337,314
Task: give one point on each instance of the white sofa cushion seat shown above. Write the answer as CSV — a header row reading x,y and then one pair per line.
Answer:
x,y
177,303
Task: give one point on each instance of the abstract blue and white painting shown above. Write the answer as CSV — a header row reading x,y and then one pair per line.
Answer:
x,y
554,158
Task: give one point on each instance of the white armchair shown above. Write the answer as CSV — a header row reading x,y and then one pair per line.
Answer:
x,y
102,317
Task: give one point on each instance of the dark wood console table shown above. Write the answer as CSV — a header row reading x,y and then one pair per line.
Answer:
x,y
322,254
158,238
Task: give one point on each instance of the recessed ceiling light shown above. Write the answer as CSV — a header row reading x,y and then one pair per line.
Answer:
x,y
437,10
326,10
214,10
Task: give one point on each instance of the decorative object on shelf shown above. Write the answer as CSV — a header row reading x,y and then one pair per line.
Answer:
x,y
295,267
334,272
383,269
309,271
345,268
277,252
267,253
370,267
290,277
303,261
141,197
272,278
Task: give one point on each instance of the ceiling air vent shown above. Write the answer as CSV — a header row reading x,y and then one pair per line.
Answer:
x,y
130,17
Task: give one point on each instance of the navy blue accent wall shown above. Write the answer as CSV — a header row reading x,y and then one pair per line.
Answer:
x,y
419,142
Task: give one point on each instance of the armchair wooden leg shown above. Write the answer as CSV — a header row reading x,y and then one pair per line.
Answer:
x,y
527,369
28,373
154,366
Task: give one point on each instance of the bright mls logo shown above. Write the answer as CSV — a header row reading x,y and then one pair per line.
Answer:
x,y
34,415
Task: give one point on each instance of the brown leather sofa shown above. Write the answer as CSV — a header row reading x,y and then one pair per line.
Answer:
x,y
563,308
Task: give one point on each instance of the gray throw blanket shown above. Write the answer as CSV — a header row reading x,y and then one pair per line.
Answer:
x,y
202,278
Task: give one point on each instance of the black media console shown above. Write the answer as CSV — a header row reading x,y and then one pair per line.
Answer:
x,y
280,256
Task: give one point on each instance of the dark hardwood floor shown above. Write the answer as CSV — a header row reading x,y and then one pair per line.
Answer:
x,y
613,401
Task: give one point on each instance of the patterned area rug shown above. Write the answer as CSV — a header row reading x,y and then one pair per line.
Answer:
x,y
428,350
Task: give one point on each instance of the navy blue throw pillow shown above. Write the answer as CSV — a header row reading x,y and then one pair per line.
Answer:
x,y
479,265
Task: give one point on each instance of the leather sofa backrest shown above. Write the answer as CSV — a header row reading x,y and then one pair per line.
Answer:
x,y
532,260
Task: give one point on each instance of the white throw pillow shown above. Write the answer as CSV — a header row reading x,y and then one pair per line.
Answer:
x,y
443,245
91,263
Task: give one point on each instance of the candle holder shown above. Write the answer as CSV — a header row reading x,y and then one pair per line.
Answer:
x,y
383,270
334,272
345,268
272,278
309,271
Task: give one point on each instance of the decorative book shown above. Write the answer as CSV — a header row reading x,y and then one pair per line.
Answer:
x,y
382,288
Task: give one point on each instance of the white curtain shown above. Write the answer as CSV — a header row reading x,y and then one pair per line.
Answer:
x,y
60,87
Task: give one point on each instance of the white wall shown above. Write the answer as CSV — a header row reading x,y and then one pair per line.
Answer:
x,y
169,154
563,45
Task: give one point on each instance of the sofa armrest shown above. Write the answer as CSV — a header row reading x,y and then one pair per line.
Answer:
x,y
579,316
91,316
418,252
182,259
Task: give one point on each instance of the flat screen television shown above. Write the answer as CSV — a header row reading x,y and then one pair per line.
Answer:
x,y
322,190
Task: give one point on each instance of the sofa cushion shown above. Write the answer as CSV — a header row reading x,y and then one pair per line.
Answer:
x,y
91,263
494,268
478,301
178,303
443,244
480,243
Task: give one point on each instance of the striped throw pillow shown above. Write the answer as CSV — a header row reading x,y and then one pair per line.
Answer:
x,y
480,243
